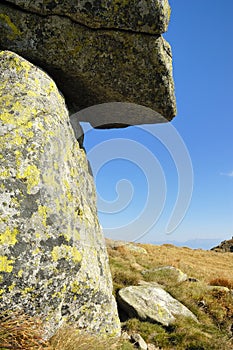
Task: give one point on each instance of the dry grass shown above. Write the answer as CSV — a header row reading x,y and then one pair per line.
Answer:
x,y
19,331
201,264
212,306
224,282
67,338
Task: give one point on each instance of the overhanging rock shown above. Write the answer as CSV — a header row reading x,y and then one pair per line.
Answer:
x,y
97,52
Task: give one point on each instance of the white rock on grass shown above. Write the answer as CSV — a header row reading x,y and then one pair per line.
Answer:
x,y
150,302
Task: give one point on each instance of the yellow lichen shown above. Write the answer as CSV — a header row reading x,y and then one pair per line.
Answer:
x,y
26,290
36,251
11,287
4,173
5,264
75,288
32,176
68,190
20,273
66,252
9,236
42,211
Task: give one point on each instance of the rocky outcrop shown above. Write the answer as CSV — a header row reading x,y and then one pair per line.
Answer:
x,y
53,261
98,52
150,302
224,247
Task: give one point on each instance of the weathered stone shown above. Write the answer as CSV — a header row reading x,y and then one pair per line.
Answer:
x,y
94,66
53,261
149,302
149,16
138,341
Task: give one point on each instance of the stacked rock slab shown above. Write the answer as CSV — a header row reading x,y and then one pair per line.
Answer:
x,y
97,51
53,261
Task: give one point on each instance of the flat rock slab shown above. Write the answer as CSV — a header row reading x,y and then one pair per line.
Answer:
x,y
149,302
149,16
94,66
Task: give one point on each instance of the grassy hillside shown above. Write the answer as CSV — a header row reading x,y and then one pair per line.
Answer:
x,y
212,305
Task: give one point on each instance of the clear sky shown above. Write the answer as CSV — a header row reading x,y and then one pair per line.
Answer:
x,y
201,36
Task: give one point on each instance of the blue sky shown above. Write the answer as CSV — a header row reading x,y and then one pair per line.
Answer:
x,y
200,33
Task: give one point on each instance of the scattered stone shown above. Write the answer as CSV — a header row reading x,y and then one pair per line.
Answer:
x,y
125,336
149,302
138,341
152,347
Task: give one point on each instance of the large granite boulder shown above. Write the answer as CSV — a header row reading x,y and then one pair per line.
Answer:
x,y
53,260
150,302
127,62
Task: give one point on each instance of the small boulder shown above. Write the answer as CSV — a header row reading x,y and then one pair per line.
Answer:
x,y
149,302
138,341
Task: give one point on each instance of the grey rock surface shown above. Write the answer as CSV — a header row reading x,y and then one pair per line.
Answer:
x,y
149,302
149,16
53,260
95,66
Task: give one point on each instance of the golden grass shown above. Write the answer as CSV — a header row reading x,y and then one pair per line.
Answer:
x,y
212,306
67,338
21,332
201,264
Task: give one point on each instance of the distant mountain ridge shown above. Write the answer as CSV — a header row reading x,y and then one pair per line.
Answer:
x,y
197,243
